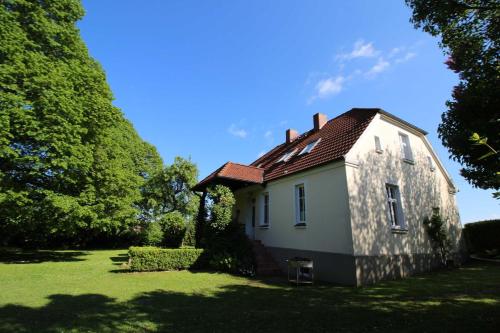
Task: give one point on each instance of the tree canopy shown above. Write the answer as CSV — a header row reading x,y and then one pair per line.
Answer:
x,y
71,166
470,35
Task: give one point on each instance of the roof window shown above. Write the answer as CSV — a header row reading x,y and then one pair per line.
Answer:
x,y
310,146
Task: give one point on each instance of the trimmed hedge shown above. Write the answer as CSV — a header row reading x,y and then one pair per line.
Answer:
x,y
483,236
148,258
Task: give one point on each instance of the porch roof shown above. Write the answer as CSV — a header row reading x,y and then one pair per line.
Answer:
x,y
233,175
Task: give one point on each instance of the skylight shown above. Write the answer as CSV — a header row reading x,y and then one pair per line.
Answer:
x,y
287,156
310,146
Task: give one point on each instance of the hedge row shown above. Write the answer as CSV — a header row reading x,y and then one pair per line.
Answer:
x,y
156,259
483,236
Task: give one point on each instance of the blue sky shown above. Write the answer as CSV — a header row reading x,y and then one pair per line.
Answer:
x,y
221,81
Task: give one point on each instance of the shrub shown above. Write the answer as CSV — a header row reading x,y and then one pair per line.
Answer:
x,y
153,234
224,262
156,259
174,229
190,235
436,230
483,237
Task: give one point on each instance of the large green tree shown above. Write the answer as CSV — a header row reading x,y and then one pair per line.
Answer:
x,y
71,166
470,128
169,190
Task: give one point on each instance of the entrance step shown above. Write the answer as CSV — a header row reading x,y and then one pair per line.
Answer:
x,y
266,265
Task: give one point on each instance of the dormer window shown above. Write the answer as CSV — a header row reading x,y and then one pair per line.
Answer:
x,y
287,156
310,146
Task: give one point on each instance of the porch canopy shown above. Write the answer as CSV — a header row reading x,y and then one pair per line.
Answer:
x,y
232,175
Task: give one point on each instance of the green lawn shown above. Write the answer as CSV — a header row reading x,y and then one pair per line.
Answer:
x,y
77,291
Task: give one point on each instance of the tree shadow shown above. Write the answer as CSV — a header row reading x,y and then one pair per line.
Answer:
x,y
120,259
444,301
19,256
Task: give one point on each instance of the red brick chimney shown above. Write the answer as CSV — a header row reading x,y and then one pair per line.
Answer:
x,y
291,135
319,120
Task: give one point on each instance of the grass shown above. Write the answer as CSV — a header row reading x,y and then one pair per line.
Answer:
x,y
78,291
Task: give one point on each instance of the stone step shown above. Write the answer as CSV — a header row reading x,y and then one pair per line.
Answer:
x,y
265,262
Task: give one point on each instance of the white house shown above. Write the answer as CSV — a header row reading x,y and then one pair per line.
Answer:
x,y
351,193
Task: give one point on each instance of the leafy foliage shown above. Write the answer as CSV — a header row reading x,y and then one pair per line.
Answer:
x,y
470,34
156,259
225,239
71,166
221,200
169,190
153,234
174,229
483,237
436,229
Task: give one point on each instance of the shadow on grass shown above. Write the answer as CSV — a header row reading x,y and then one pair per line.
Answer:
x,y
18,256
119,259
459,301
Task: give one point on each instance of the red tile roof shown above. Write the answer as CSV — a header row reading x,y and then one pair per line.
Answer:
x,y
231,171
337,137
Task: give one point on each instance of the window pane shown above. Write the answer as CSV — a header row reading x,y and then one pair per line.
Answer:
x,y
378,145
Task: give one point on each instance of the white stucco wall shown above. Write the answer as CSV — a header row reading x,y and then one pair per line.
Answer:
x,y
421,189
327,211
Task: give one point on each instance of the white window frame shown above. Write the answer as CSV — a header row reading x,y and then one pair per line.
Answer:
x,y
378,144
394,207
263,223
406,151
298,218
288,155
309,147
432,167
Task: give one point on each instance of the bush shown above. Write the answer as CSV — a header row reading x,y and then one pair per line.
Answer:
x,y
190,235
153,235
174,229
231,250
483,237
143,259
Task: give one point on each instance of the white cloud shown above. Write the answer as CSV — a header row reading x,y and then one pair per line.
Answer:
x,y
406,57
261,154
360,50
378,68
236,131
330,86
268,134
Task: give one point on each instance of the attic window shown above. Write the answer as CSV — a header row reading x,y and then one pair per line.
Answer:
x,y
310,146
287,156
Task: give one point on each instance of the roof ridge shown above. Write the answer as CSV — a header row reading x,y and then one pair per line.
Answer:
x,y
244,165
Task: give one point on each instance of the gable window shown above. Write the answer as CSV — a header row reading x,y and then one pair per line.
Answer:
x,y
395,209
265,218
300,204
431,163
287,156
378,145
406,152
310,146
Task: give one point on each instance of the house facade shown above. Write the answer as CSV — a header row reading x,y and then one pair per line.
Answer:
x,y
351,194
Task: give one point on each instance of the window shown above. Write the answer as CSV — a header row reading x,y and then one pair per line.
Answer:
x,y
431,163
378,145
405,147
300,204
395,209
253,212
265,220
287,156
310,146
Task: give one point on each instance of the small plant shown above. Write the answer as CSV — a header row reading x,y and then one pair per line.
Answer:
x,y
153,235
435,226
224,262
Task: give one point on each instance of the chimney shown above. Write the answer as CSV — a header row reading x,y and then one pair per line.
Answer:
x,y
319,120
291,135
